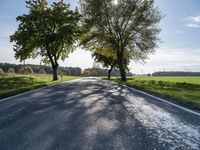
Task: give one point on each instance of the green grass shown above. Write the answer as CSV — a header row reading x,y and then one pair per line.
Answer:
x,y
192,80
185,90
14,84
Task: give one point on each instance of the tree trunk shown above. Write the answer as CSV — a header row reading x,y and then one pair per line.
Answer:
x,y
53,61
55,72
109,71
122,72
121,66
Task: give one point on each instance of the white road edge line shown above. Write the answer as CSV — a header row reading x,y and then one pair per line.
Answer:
x,y
160,99
38,89
147,94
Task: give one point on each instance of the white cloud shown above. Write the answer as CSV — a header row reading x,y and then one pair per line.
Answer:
x,y
193,21
165,59
192,25
169,60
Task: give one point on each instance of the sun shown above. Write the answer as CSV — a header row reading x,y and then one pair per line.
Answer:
x,y
115,2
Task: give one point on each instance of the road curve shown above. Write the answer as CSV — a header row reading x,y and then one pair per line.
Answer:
x,y
94,114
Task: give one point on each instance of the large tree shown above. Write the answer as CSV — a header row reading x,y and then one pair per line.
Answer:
x,y
48,31
107,58
124,25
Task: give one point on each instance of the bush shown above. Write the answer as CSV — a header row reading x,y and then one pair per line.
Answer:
x,y
86,73
161,83
1,72
42,71
152,82
27,70
11,70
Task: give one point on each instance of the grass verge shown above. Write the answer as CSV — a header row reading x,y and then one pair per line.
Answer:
x,y
15,84
185,91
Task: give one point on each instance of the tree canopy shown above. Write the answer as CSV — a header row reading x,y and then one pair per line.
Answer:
x,y
124,25
41,69
48,31
106,57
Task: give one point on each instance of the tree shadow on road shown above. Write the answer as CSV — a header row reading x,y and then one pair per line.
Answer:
x,y
81,116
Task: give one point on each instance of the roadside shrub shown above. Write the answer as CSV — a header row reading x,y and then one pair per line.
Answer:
x,y
151,82
86,73
161,83
11,71
188,86
141,82
1,72
27,70
149,75
42,71
67,72
168,84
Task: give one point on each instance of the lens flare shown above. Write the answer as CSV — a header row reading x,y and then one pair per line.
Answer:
x,y
115,2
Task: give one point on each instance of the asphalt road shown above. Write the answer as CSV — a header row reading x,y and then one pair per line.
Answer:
x,y
94,114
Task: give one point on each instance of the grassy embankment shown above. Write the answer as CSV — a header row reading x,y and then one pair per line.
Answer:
x,y
15,84
185,90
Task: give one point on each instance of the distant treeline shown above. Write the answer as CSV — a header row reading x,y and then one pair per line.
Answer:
x,y
41,69
96,72
175,73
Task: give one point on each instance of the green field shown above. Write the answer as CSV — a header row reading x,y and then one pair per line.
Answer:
x,y
185,90
15,84
192,80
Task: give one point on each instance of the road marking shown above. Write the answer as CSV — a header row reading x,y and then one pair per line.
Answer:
x,y
4,99
142,92
160,99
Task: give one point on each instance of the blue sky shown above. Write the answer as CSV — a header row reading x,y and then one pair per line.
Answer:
x,y
179,50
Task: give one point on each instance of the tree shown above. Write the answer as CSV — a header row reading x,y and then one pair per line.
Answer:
x,y
86,73
46,31
42,71
11,70
107,58
124,25
1,72
67,72
27,70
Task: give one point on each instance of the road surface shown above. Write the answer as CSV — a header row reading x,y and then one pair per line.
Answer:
x,y
94,114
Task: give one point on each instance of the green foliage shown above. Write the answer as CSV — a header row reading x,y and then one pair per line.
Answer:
x,y
182,89
27,70
129,26
106,56
86,73
42,71
48,31
68,72
190,80
175,73
11,70
11,85
1,72
101,72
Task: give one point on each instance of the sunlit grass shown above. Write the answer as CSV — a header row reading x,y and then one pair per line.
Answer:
x,y
15,84
193,80
182,89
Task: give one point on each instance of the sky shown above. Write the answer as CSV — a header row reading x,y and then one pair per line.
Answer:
x,y
179,49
